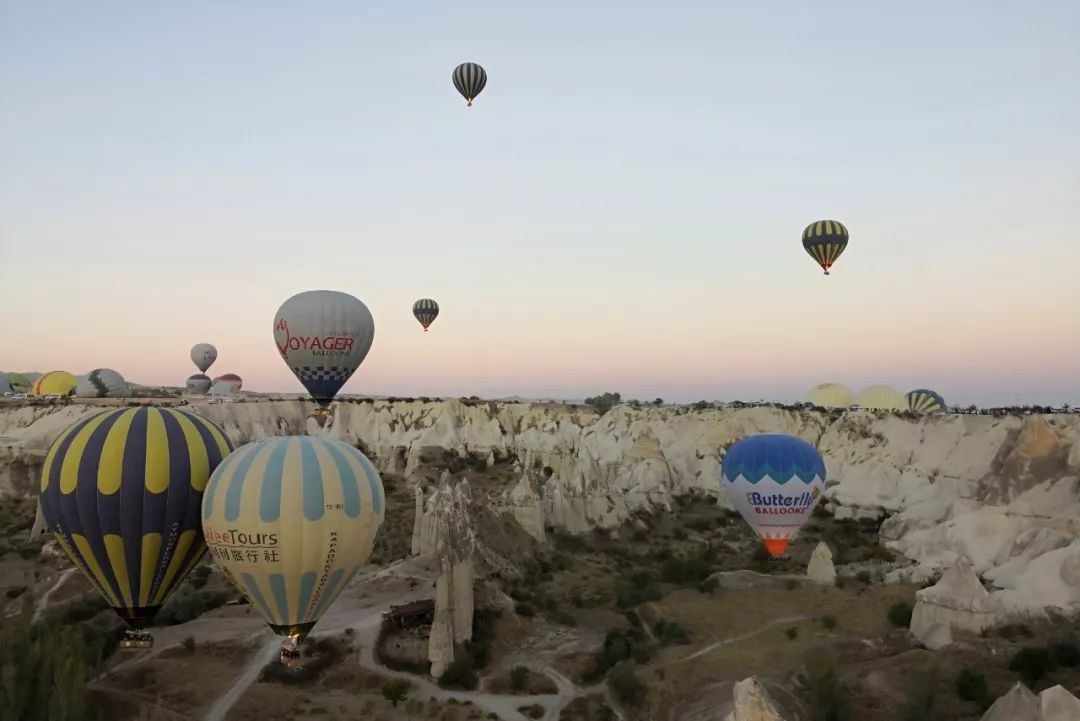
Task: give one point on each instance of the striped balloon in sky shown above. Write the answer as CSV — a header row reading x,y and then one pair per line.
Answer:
x,y
121,492
825,240
291,520
469,79
922,400
426,311
774,481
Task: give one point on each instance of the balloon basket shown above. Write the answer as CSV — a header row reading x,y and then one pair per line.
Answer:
x,y
290,653
137,639
323,415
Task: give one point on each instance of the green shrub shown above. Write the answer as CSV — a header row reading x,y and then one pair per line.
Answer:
x,y
900,614
686,571
460,674
670,633
1065,653
626,687
792,633
524,609
604,402
864,577
44,670
829,623
1032,664
972,686
830,700
396,691
519,678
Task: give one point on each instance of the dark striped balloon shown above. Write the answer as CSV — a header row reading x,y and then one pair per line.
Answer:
x,y
469,79
825,240
922,400
426,311
121,491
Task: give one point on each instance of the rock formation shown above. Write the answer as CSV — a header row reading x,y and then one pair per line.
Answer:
x,y
525,504
753,703
821,569
447,539
1003,491
1020,704
418,521
958,601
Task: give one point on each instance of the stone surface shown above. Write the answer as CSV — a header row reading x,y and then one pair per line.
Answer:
x,y
958,601
1019,704
753,703
821,569
1057,704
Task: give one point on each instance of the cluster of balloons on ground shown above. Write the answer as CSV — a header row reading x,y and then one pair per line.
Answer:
x,y
877,398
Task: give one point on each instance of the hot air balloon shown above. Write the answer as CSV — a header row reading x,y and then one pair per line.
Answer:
x,y
203,356
830,395
323,336
231,379
426,311
882,398
5,383
102,383
121,492
469,79
922,400
19,381
291,520
198,384
774,481
825,240
54,382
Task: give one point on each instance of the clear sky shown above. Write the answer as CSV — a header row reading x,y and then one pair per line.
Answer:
x,y
621,208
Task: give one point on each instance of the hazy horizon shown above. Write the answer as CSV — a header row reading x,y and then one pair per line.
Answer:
x,y
620,210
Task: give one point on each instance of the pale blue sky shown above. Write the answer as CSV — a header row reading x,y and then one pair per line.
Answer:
x,y
621,208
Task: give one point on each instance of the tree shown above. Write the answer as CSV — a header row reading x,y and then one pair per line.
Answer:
x,y
396,691
604,402
43,671
658,402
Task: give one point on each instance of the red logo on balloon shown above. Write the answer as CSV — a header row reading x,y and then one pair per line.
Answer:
x,y
332,344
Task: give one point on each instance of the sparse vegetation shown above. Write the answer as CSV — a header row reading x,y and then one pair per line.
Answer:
x,y
792,633
519,678
396,691
604,402
626,687
1032,664
900,614
830,700
972,686
43,671
829,623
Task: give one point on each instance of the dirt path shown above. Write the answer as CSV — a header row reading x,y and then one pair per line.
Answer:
x,y
266,653
735,639
39,607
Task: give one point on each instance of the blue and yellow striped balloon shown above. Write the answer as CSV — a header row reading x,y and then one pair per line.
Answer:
x,y
825,240
121,492
922,400
291,520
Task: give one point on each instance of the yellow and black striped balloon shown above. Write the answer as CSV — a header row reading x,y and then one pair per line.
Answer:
x,y
426,311
122,490
825,240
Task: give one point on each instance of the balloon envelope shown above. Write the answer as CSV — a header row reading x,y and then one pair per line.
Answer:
x,y
5,383
197,383
426,311
922,400
323,336
121,492
102,383
774,481
469,79
830,395
291,520
882,398
825,240
203,356
58,382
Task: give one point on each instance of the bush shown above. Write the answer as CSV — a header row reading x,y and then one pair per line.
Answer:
x,y
626,687
44,671
688,571
524,609
670,633
396,691
460,674
1012,630
971,686
519,678
1065,654
1032,664
604,402
900,614
709,585
829,699
630,596
864,576
829,623
792,633
188,643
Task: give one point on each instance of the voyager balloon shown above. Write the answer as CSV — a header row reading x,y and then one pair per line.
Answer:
x,y
291,520
323,336
774,481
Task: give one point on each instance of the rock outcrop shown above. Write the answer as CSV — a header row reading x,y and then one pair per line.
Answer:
x,y
1020,704
958,601
447,538
526,505
753,703
1002,491
821,569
